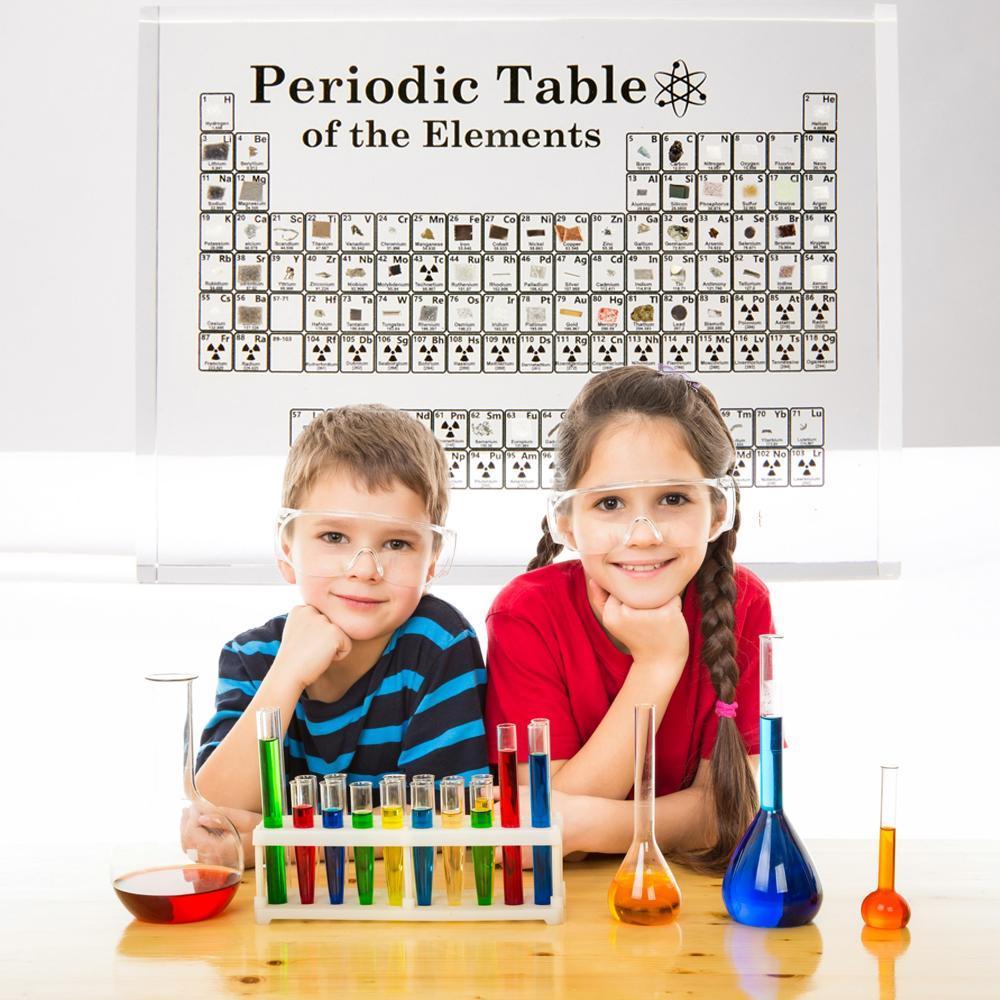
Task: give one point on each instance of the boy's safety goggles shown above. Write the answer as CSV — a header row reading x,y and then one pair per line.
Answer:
x,y
332,543
681,512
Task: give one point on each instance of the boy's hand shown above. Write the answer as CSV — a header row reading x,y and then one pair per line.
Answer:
x,y
201,835
654,635
310,642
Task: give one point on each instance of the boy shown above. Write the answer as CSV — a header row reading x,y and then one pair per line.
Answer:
x,y
371,674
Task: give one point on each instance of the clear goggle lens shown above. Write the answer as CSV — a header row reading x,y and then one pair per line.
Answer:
x,y
339,543
683,513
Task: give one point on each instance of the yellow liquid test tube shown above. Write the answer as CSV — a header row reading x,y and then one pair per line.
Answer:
x,y
453,818
392,789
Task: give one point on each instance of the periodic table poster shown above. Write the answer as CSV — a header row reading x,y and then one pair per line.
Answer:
x,y
466,216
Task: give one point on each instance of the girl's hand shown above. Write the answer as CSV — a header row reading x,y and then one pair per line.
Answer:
x,y
653,636
310,642
568,806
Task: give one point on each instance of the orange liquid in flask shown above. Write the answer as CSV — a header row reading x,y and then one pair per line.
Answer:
x,y
885,908
649,899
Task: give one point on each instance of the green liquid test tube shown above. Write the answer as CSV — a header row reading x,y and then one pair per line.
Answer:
x,y
364,857
272,798
481,794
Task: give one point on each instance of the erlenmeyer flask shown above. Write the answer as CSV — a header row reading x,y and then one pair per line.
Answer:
x,y
771,881
182,860
644,891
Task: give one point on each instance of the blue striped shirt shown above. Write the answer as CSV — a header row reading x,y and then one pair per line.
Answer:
x,y
418,710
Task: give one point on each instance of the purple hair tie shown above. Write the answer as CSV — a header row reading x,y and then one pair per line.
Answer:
x,y
669,369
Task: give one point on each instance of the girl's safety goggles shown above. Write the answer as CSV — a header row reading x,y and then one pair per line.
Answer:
x,y
681,512
333,543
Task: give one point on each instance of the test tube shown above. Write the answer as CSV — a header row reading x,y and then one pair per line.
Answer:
x,y
313,782
303,815
539,782
422,818
364,857
481,794
392,790
272,798
510,812
333,800
453,818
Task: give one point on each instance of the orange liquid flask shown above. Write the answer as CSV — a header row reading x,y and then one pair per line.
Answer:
x,y
884,908
644,891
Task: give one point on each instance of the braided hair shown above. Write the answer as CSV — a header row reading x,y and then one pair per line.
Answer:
x,y
645,392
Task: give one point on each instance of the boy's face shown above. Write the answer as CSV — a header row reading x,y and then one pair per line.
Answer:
x,y
359,600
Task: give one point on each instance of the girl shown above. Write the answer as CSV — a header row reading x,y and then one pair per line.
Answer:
x,y
654,610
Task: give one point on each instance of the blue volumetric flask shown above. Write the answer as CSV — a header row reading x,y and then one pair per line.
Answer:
x,y
771,880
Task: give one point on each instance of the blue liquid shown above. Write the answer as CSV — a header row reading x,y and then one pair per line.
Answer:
x,y
538,776
333,819
423,857
771,881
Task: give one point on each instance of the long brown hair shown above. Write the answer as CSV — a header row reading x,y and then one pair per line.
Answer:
x,y
645,392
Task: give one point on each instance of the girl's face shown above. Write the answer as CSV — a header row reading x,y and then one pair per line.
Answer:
x,y
643,572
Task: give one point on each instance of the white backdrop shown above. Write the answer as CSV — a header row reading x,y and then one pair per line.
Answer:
x,y
68,319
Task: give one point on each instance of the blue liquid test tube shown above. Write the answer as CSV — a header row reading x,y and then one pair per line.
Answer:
x,y
333,800
538,778
422,818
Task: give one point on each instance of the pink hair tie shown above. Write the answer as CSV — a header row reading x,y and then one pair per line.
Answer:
x,y
726,711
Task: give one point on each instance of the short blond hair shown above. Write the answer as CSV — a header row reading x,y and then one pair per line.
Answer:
x,y
379,446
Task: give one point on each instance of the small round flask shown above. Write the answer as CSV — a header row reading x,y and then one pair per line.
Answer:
x,y
181,859
884,908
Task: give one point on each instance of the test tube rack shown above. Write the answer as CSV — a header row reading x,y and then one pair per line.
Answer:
x,y
289,836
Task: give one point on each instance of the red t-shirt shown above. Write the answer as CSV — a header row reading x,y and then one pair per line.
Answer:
x,y
548,657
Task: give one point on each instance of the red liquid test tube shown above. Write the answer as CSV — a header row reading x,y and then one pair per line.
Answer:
x,y
303,815
510,812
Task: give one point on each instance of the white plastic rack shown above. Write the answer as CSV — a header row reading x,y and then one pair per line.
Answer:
x,y
289,836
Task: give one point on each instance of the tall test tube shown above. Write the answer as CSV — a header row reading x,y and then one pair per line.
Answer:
x,y
392,791
303,818
540,787
453,818
510,812
422,818
272,798
481,794
364,857
333,800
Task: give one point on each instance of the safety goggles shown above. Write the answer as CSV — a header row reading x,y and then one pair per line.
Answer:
x,y
681,512
333,543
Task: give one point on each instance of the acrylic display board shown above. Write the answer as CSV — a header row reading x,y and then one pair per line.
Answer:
x,y
465,214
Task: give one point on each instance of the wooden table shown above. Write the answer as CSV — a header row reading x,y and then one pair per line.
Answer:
x,y
65,934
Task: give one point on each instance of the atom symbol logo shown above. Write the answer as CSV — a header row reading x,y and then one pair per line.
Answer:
x,y
680,89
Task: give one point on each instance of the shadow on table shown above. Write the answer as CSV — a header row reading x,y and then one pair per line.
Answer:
x,y
298,958
774,963
885,946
